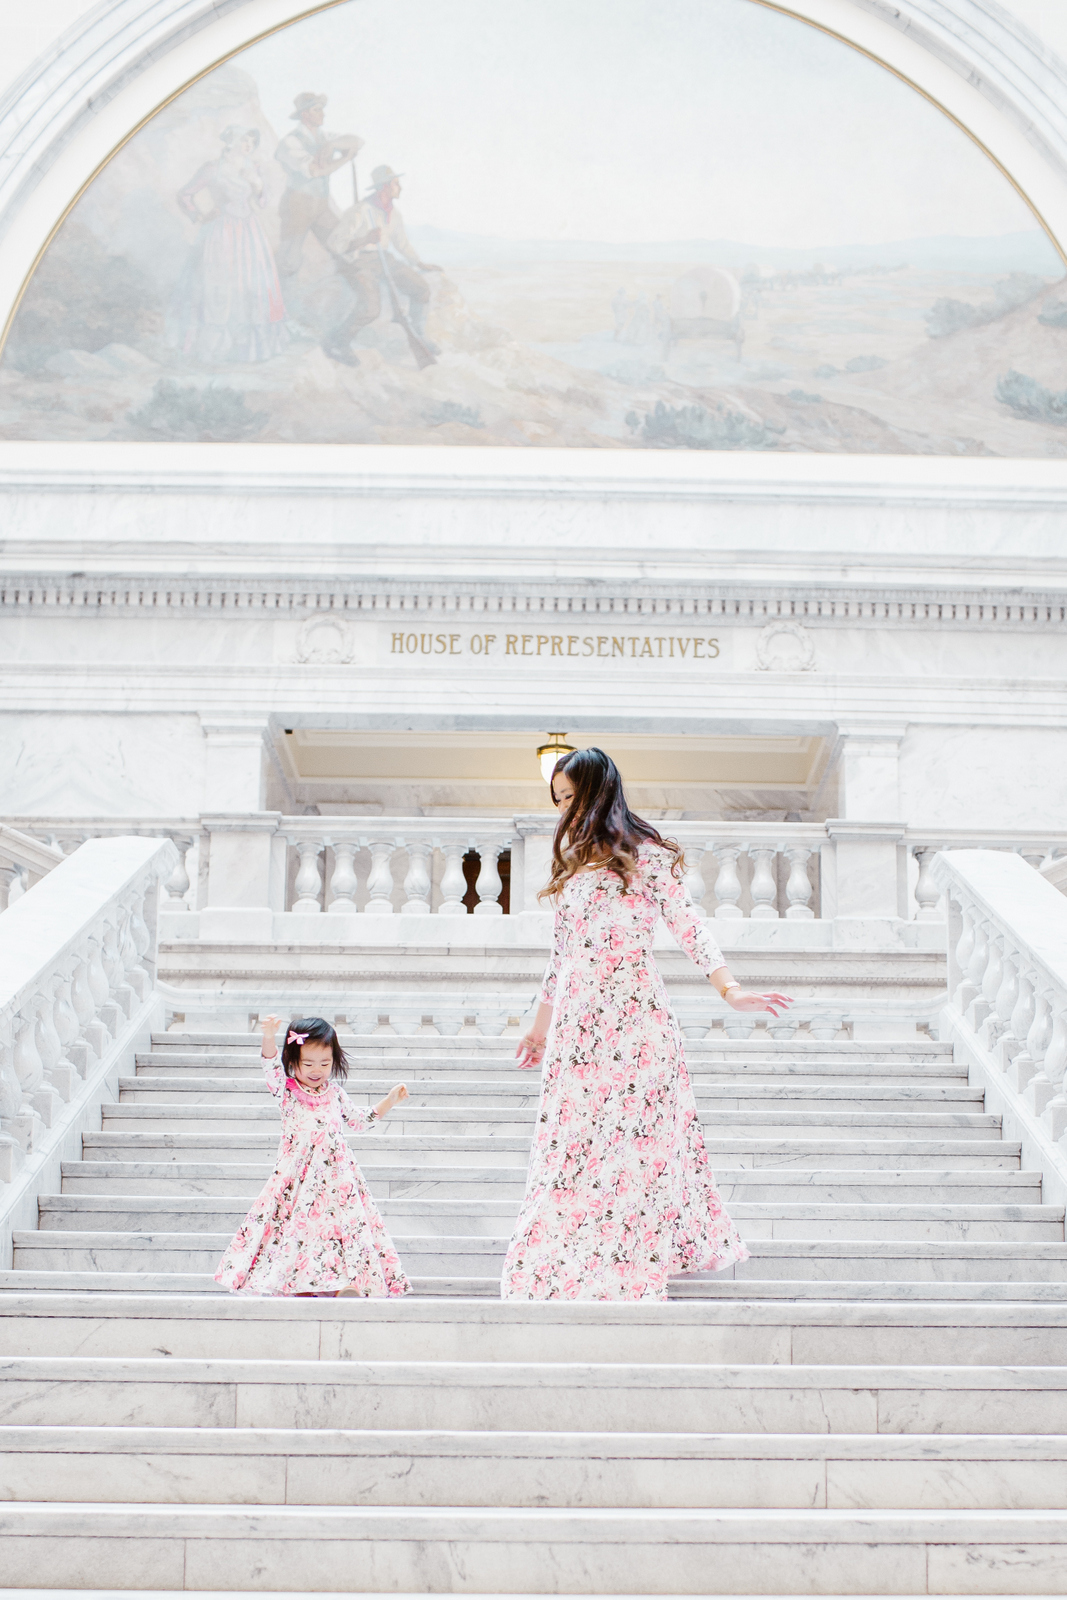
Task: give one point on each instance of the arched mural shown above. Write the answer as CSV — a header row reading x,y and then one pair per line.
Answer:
x,y
699,224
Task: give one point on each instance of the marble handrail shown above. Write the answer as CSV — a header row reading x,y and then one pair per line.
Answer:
x,y
1007,995
77,963
23,859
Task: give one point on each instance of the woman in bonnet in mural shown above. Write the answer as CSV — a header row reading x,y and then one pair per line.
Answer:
x,y
228,304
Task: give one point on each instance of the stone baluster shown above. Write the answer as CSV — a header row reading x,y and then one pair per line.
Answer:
x,y
1048,1079
7,883
58,1075
1028,1064
380,882
971,989
99,987
763,889
65,1024
17,882
963,953
17,1116
798,889
984,1006
91,1032
176,888
344,884
1053,1068
488,885
453,881
999,1034
417,881
694,878
1014,1043
29,1069
308,883
136,980
121,993
927,894
727,882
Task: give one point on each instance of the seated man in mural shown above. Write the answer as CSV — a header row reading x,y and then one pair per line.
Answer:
x,y
309,155
363,236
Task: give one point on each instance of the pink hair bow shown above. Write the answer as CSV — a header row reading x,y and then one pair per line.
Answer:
x,y
295,1038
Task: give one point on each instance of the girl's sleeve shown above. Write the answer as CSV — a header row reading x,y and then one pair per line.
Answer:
x,y
679,913
357,1117
559,949
272,1071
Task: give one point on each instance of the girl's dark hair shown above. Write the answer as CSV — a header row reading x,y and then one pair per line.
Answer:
x,y
598,826
316,1030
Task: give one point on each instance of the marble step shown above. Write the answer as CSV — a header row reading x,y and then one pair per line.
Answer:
x,y
714,1287
412,1121
532,1397
497,1186
482,1550
974,1332
339,1467
496,1099
865,1258
774,1219
204,1064
475,1047
840,1153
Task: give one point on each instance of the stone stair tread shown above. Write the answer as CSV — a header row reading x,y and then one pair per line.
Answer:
x,y
451,1288
921,1049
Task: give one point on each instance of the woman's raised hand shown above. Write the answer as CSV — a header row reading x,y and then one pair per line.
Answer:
x,y
531,1050
742,1000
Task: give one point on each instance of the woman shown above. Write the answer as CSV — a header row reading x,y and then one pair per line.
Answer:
x,y
229,303
619,1194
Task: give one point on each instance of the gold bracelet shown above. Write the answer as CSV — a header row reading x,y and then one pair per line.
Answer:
x,y
724,992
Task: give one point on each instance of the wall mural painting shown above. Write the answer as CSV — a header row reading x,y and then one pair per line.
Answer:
x,y
664,224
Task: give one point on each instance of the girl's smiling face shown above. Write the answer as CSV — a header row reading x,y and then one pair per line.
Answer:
x,y
315,1065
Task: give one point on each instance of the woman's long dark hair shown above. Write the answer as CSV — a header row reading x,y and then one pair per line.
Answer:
x,y
319,1031
598,828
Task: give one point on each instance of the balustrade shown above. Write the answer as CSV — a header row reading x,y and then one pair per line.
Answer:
x,y
1008,978
76,967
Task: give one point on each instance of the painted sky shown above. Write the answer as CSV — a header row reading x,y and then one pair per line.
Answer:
x,y
635,120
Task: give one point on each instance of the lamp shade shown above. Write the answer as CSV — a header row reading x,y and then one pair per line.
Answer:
x,y
548,754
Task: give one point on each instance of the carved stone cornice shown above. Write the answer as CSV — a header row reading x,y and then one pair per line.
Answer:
x,y
814,605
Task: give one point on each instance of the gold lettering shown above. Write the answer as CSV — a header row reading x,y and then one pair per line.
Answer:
x,y
426,643
618,647
542,638
683,646
572,639
646,649
398,644
511,641
633,646
698,645
659,652
713,648
441,645
527,638
452,645
602,639
557,644
411,644
476,644
490,639
587,646
671,643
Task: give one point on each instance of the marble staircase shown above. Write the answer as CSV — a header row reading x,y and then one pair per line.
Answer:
x,y
875,1403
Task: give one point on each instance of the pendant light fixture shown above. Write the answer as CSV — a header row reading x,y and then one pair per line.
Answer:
x,y
548,754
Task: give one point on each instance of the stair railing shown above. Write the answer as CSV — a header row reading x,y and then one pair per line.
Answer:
x,y
1006,1011
77,984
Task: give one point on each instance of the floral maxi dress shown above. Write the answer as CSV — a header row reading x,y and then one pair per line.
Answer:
x,y
314,1228
619,1194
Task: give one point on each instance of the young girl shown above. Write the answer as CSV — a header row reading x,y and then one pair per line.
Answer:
x,y
314,1229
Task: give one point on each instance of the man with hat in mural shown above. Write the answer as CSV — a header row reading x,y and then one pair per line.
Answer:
x,y
370,242
309,154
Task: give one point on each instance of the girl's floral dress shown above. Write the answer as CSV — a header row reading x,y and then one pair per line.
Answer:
x,y
619,1194
314,1229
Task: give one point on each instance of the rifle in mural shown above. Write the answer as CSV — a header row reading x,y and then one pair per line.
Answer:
x,y
424,356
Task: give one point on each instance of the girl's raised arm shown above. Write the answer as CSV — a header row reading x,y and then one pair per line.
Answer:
x,y
269,1057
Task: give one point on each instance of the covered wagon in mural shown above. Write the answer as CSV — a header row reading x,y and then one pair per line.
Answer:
x,y
705,303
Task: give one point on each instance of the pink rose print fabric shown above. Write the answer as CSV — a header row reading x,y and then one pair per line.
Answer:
x,y
315,1228
619,1194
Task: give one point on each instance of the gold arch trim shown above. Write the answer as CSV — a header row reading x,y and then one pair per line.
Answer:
x,y
331,5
